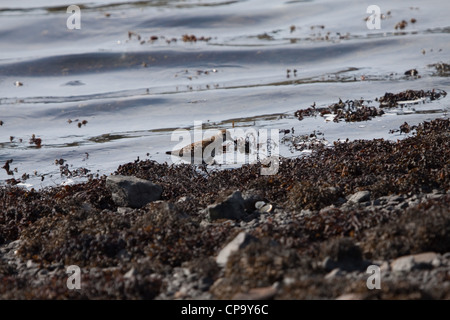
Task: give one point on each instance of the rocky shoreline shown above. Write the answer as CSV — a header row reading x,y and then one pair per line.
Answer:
x,y
154,231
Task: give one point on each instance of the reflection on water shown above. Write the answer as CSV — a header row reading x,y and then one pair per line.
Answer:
x,y
138,70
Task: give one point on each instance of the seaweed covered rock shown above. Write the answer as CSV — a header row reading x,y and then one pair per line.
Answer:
x,y
131,191
345,255
230,208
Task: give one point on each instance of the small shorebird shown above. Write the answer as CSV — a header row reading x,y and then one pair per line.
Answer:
x,y
197,148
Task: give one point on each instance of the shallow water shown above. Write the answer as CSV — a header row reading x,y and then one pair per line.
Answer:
x,y
134,93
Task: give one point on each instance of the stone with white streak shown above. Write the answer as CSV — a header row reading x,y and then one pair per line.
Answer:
x,y
242,240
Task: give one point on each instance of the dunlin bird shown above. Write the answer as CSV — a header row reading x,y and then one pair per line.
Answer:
x,y
196,149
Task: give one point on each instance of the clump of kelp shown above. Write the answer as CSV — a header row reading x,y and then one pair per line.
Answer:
x,y
361,110
442,69
390,100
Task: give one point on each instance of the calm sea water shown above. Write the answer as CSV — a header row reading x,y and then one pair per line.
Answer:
x,y
134,77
